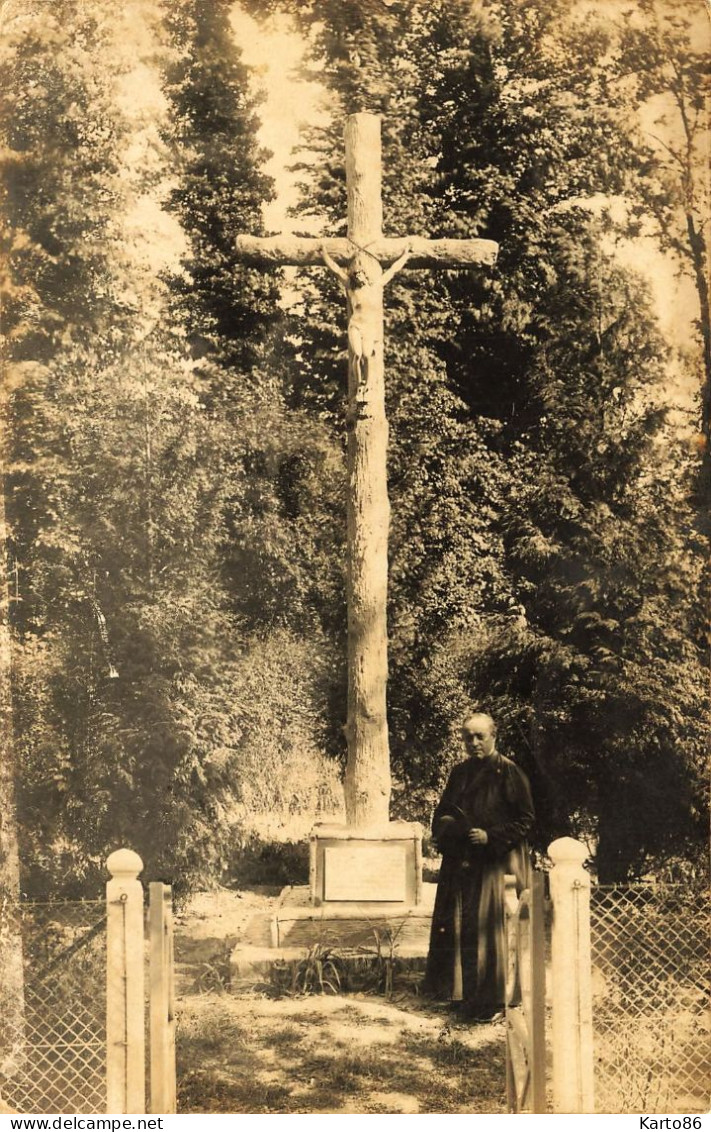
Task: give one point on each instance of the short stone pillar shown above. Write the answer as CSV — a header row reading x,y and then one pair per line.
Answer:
x,y
571,977
125,1026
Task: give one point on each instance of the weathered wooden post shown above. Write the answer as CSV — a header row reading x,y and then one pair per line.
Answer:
x,y
367,781
125,1024
571,976
358,260
162,999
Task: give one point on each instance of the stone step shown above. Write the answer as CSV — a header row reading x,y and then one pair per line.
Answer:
x,y
356,932
250,965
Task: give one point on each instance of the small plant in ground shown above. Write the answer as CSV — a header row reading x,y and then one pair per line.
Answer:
x,y
212,979
214,974
371,969
208,1031
316,973
386,947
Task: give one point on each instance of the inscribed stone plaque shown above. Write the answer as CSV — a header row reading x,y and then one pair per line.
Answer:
x,y
364,872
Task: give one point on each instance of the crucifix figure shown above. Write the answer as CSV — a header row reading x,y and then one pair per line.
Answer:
x,y
359,259
364,295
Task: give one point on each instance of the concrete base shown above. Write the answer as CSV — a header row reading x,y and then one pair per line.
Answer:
x,y
297,926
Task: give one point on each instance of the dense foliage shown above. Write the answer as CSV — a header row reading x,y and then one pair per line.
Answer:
x,y
277,468
544,557
174,469
115,592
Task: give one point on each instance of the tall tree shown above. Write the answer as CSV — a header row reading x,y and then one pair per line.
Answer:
x,y
280,467
233,322
661,64
45,286
11,953
115,515
576,369
11,982
434,492
600,674
227,309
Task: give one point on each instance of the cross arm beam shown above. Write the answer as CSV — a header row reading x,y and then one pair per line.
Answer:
x,y
303,251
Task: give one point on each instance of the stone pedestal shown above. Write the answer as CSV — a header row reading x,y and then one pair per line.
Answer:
x,y
357,924
353,930
365,892
377,865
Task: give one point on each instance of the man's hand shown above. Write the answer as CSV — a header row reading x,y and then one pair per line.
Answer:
x,y
478,836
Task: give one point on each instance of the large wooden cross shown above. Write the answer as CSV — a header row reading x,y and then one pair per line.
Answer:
x,y
358,260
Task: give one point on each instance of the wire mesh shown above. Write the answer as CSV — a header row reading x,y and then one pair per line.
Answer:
x,y
53,1041
652,1032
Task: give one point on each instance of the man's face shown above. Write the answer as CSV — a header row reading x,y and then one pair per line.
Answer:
x,y
478,736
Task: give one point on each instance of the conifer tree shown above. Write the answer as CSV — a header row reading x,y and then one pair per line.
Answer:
x,y
576,372
279,466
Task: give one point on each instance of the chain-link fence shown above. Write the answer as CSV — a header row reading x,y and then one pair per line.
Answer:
x,y
53,1033
650,955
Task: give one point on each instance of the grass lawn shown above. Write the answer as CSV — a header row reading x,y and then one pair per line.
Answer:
x,y
251,1053
259,1051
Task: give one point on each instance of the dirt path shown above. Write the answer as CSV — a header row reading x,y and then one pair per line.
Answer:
x,y
261,1052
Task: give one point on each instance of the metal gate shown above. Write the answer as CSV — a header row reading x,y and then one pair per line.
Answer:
x,y
53,1044
73,1013
650,985
526,999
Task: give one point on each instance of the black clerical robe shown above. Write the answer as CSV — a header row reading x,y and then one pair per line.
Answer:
x,y
467,956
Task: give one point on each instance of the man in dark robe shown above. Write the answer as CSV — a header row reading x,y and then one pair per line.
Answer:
x,y
480,827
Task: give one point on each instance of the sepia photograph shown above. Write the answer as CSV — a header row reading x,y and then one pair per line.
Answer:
x,y
355,401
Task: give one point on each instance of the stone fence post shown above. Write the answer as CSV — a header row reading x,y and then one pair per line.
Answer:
x,y
125,1030
571,978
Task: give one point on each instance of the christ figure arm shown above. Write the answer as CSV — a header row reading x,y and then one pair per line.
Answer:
x,y
395,267
333,266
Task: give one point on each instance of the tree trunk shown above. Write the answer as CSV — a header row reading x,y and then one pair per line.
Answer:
x,y
367,782
699,261
11,969
617,856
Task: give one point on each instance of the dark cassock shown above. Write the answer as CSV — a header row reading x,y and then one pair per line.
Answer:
x,y
467,957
